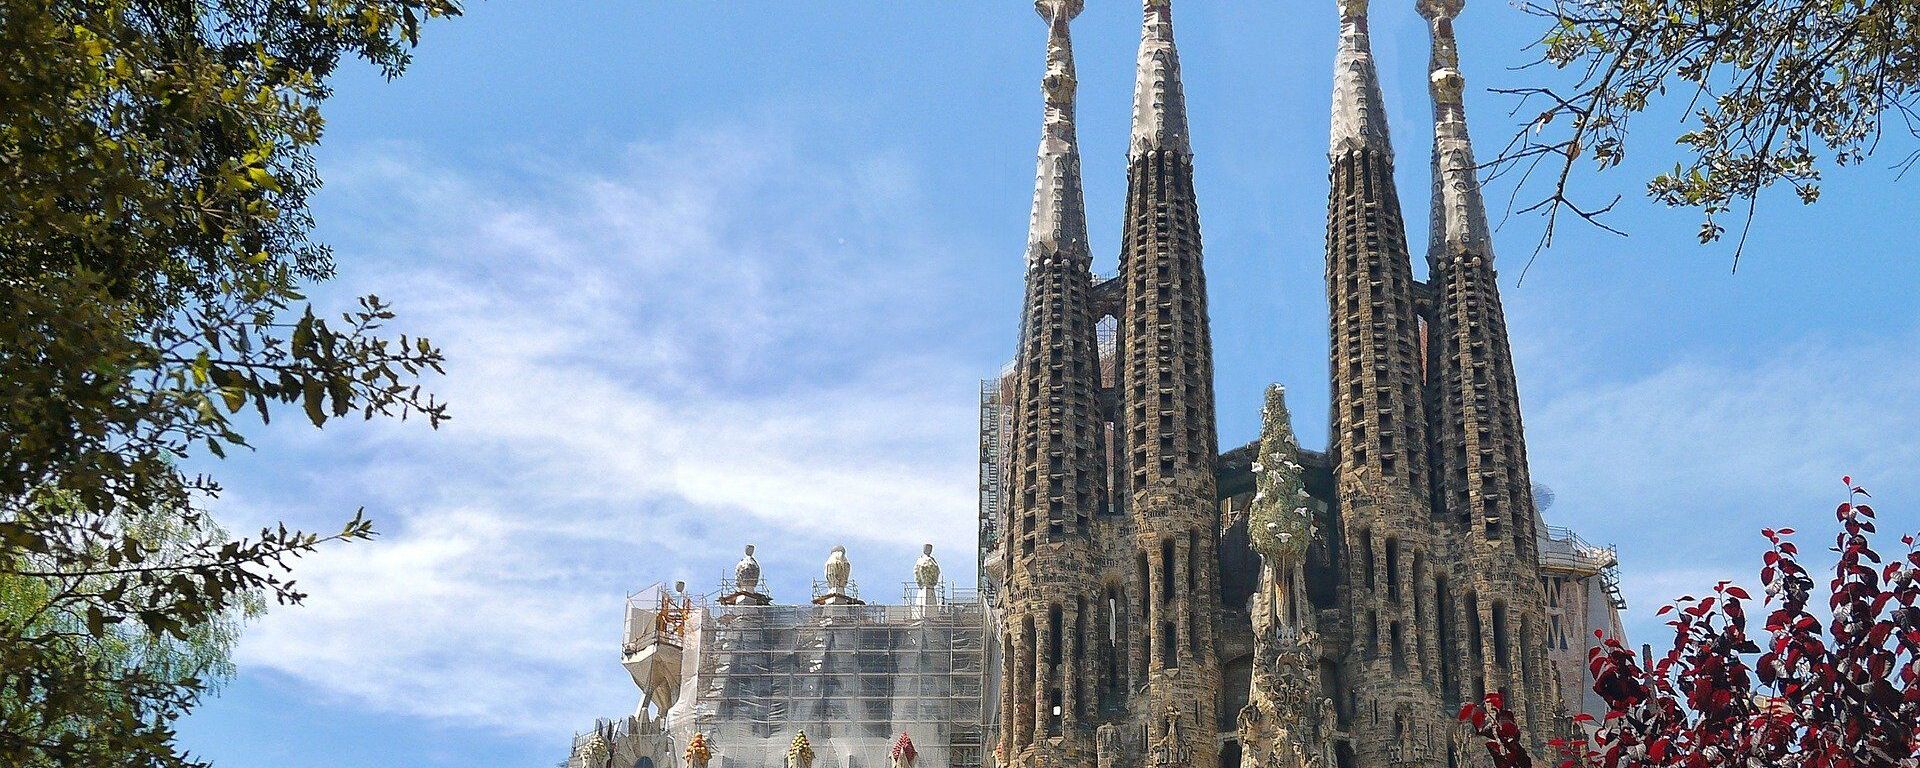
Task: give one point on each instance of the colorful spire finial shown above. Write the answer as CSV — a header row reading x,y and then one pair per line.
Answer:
x,y
903,753
800,753
699,752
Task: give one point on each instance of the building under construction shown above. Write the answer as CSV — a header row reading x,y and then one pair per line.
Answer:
x,y
1146,599
752,675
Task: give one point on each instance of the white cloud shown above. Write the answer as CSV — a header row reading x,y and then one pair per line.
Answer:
x,y
1682,467
713,343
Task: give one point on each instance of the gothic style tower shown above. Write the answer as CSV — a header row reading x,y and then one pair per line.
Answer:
x,y
1056,450
1486,497
1379,427
1167,415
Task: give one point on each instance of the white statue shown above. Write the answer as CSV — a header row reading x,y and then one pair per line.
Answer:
x,y
926,570
839,570
746,574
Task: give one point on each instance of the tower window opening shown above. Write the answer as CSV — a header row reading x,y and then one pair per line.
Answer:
x,y
1443,620
1193,561
1399,647
1366,555
1166,571
1475,633
1393,570
1170,646
1053,636
1500,654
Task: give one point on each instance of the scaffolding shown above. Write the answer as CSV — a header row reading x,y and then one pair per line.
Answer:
x,y
1562,549
996,428
853,677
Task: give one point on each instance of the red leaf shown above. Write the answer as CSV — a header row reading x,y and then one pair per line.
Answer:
x,y
1737,592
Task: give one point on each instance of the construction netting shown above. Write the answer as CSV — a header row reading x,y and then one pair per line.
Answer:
x,y
853,677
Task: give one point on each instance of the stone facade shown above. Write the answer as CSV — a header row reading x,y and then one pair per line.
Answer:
x,y
1417,585
1147,600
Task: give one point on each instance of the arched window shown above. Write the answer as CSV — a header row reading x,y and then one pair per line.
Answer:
x,y
644,762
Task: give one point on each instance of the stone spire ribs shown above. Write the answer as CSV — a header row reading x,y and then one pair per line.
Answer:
x,y
1379,428
1159,104
1359,112
1481,452
1167,411
1057,470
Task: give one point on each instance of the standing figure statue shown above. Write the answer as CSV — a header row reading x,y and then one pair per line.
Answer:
x,y
839,570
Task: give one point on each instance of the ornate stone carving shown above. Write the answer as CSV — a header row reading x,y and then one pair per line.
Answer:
x,y
839,569
903,754
746,573
698,751
926,570
800,753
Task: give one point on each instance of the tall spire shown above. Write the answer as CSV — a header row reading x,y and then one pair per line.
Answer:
x,y
1059,223
1485,491
1057,445
1379,425
1167,413
1159,101
1359,112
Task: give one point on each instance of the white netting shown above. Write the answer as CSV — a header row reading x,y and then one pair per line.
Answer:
x,y
852,677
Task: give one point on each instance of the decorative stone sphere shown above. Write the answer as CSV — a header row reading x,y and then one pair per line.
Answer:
x,y
1048,9
1440,9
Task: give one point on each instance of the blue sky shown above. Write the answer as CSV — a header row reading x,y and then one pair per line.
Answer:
x,y
711,274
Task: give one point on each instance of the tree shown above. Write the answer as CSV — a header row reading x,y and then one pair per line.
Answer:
x,y
155,167
1843,693
1773,89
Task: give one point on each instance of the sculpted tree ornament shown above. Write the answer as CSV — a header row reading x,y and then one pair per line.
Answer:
x,y
1839,693
1279,726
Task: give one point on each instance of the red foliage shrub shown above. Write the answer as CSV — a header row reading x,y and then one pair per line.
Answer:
x,y
1838,694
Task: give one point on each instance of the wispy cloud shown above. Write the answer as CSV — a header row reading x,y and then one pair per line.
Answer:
x,y
1684,466
651,364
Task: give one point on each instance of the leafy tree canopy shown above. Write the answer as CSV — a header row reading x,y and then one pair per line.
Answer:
x,y
1774,90
155,170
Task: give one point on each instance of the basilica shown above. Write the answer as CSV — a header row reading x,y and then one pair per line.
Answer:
x,y
1146,598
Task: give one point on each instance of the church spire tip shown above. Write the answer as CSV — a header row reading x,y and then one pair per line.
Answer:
x,y
1159,99
1459,211
1059,221
1359,111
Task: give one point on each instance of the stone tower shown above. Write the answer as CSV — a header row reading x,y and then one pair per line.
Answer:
x,y
1057,473
1167,417
1484,499
1379,427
